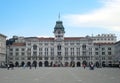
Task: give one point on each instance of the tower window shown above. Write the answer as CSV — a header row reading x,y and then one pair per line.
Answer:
x,y
35,47
59,47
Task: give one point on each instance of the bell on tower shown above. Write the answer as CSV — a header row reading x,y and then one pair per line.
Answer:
x,y
59,30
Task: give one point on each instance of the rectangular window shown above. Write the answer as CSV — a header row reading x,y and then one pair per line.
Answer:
x,y
40,53
72,51
29,57
66,51
29,49
17,53
46,51
22,58
52,58
71,43
17,49
16,58
66,43
11,54
34,53
96,53
66,58
103,49
109,53
84,53
40,49
52,52
23,53
46,44
11,49
29,54
40,57
96,48
109,48
78,51
103,53
23,49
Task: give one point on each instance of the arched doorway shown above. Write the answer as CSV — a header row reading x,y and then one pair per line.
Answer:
x,y
78,64
40,64
51,64
97,64
11,64
66,64
28,63
16,64
46,64
103,64
34,63
72,64
110,63
84,63
22,64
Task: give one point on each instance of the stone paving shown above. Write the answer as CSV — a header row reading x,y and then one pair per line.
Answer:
x,y
60,75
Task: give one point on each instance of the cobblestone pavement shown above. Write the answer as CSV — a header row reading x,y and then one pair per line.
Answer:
x,y
60,75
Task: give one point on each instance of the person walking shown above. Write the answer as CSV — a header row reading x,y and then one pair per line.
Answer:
x,y
8,66
84,66
30,66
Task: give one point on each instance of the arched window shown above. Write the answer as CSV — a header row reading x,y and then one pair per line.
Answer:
x,y
59,47
34,47
84,47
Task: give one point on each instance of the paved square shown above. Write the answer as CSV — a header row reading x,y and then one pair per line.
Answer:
x,y
60,75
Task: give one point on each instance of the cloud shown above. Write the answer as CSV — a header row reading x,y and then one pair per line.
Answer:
x,y
108,17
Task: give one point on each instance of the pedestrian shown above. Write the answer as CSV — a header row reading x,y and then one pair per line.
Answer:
x,y
8,66
30,66
35,66
12,66
24,66
84,66
92,67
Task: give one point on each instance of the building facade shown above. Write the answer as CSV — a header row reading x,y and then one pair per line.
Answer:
x,y
117,53
59,50
104,54
2,49
103,38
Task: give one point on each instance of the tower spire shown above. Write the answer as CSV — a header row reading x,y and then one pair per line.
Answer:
x,y
59,16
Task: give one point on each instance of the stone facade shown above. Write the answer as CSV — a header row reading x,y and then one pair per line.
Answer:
x,y
59,50
117,53
2,49
103,38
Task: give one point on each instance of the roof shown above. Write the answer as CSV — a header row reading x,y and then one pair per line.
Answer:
x,y
117,42
52,38
3,35
46,39
18,44
66,38
73,38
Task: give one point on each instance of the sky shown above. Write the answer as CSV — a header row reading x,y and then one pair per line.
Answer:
x,y
31,18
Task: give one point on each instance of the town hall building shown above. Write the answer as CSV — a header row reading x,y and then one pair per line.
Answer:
x,y
61,51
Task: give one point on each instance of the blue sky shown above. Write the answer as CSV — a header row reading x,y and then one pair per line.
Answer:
x,y
38,17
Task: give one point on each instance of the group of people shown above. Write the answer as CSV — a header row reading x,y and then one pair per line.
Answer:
x,y
10,66
91,66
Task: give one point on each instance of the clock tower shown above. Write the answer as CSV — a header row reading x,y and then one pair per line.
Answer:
x,y
59,31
